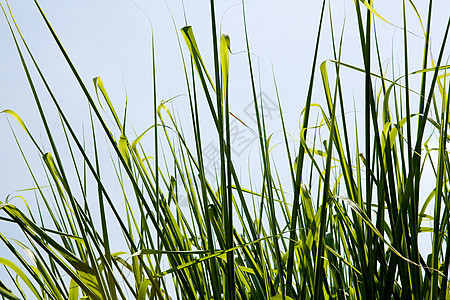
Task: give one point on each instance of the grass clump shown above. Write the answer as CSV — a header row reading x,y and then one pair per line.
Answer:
x,y
347,226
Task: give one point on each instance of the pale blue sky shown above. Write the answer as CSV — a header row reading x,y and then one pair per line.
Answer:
x,y
111,39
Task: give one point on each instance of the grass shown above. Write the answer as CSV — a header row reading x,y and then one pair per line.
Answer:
x,y
347,226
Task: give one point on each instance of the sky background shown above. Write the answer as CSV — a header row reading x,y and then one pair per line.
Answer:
x,y
112,39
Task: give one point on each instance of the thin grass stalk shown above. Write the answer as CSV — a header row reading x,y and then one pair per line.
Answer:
x,y
439,179
223,131
156,141
266,164
213,267
105,235
318,267
413,227
416,160
298,172
369,184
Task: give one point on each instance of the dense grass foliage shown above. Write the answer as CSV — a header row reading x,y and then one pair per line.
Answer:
x,y
347,225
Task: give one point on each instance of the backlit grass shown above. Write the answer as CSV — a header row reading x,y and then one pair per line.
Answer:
x,y
344,221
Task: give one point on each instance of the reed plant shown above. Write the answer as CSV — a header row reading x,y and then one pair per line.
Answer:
x,y
347,224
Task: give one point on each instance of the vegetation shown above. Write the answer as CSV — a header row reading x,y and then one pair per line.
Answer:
x,y
347,226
